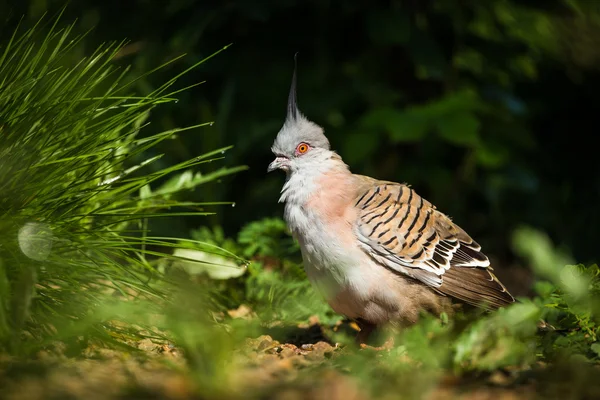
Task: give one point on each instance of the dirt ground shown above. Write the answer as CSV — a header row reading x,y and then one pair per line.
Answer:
x,y
264,368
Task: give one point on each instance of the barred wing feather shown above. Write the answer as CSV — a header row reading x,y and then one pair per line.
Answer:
x,y
406,234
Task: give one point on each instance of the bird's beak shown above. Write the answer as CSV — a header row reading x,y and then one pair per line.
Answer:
x,y
279,163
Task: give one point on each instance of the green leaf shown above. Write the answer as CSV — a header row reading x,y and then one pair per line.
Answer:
x,y
575,281
491,156
268,237
505,338
595,347
459,128
145,192
199,262
538,249
408,126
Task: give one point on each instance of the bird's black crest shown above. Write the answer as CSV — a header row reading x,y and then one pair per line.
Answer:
x,y
292,110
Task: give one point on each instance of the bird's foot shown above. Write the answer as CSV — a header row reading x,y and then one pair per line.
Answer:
x,y
387,346
366,336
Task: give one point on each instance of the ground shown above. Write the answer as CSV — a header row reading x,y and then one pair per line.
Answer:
x,y
304,367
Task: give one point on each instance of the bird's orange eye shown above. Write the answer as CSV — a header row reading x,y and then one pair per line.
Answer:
x,y
302,148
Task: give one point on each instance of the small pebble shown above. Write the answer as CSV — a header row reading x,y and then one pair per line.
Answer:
x,y
273,350
324,346
287,352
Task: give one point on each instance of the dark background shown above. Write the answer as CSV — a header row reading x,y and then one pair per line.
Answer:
x,y
488,109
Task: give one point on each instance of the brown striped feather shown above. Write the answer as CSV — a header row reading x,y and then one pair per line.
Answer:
x,y
406,233
475,286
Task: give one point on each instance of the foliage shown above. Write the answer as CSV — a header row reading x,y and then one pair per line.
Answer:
x,y
482,106
76,195
87,183
558,325
275,285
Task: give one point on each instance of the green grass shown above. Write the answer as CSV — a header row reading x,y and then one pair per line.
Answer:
x,y
77,191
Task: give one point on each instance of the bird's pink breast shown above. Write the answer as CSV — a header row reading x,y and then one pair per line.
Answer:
x,y
332,203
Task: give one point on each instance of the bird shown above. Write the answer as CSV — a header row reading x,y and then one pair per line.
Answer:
x,y
378,252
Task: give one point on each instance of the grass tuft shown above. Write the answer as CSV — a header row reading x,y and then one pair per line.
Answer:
x,y
77,192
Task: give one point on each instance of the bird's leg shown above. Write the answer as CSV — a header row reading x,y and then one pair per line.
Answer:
x,y
365,336
387,345
366,328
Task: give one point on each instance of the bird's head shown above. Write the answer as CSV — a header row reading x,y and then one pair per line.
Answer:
x,y
300,143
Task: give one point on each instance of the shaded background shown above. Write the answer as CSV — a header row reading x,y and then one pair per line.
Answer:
x,y
488,109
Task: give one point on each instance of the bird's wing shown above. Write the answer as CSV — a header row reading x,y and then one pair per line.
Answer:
x,y
406,234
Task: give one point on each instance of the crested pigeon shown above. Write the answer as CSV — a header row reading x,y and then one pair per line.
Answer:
x,y
377,251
